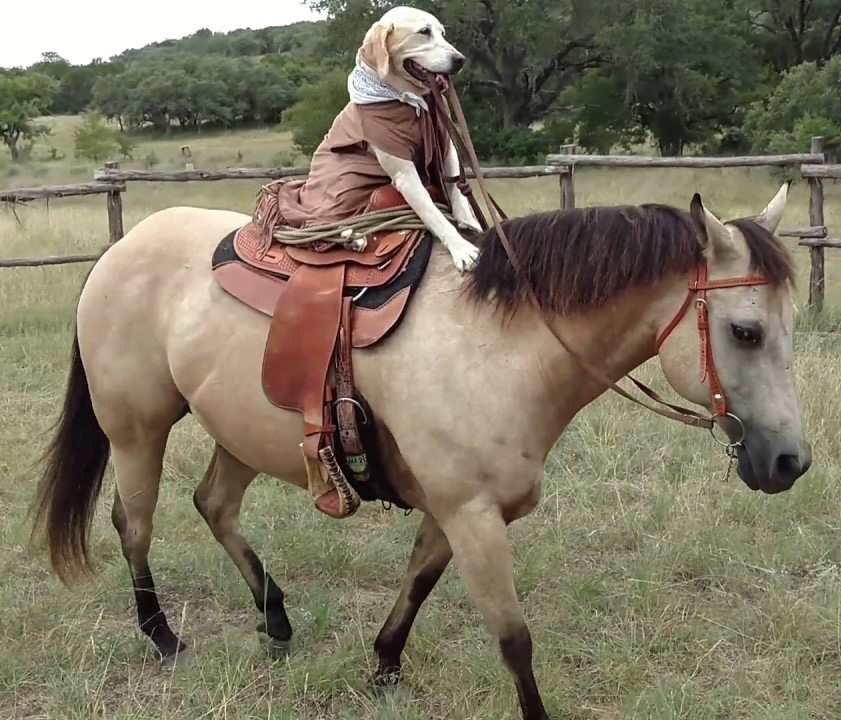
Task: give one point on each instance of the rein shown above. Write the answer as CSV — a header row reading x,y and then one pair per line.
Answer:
x,y
699,286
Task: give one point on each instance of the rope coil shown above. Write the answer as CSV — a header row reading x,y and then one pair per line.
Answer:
x,y
345,232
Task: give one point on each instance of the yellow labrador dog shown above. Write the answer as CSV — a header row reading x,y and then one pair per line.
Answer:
x,y
397,55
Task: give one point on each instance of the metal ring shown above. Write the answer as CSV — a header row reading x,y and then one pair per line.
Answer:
x,y
701,301
730,443
359,294
353,402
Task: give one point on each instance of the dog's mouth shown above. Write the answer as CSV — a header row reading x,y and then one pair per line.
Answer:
x,y
421,74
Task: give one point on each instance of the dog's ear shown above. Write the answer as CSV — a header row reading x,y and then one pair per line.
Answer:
x,y
375,49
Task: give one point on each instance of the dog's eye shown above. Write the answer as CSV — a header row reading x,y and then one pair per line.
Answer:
x,y
425,31
746,335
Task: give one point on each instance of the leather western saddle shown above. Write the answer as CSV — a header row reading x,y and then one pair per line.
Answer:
x,y
323,304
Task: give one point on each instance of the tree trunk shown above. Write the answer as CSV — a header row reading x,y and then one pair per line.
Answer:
x,y
11,142
515,111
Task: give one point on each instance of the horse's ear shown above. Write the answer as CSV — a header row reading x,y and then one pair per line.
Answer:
x,y
770,217
713,236
375,48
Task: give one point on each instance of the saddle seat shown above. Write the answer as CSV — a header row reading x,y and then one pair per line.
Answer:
x,y
323,303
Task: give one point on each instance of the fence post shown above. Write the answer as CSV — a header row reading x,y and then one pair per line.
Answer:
x,y
114,201
817,276
567,181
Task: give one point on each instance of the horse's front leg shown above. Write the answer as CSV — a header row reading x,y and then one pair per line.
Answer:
x,y
479,541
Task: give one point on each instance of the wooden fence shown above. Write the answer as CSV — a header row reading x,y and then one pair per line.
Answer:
x,y
112,182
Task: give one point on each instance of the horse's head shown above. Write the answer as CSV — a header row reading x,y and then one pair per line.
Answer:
x,y
729,348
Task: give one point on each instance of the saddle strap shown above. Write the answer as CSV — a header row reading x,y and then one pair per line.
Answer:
x,y
355,455
674,412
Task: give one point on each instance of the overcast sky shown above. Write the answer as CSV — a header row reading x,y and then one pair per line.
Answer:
x,y
80,30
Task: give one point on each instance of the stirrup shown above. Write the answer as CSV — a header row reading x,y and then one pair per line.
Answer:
x,y
327,485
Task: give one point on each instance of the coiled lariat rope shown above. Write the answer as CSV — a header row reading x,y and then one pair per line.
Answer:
x,y
351,231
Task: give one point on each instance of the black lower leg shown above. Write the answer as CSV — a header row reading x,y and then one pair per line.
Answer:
x,y
268,598
516,648
430,557
150,617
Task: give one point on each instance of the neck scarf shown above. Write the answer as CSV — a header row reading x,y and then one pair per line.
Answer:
x,y
365,87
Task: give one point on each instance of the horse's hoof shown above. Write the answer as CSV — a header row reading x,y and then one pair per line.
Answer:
x,y
277,649
180,660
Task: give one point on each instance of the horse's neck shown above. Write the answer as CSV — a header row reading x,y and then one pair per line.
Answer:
x,y
613,340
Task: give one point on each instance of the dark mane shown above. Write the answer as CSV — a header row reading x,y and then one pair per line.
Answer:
x,y
585,257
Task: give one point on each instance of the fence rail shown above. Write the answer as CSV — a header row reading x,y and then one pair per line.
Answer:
x,y
825,172
112,181
24,195
655,161
116,175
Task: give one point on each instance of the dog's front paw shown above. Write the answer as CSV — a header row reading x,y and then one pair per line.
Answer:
x,y
464,255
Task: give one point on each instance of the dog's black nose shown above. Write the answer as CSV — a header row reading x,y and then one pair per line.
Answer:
x,y
456,63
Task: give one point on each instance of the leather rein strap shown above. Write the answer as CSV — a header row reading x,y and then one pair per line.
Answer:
x,y
700,285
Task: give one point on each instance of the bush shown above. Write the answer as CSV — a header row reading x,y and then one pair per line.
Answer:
x,y
520,145
807,102
311,118
95,140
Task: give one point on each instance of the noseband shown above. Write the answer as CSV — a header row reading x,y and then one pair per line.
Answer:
x,y
698,287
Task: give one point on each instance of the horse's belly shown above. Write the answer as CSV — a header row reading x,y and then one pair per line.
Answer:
x,y
217,368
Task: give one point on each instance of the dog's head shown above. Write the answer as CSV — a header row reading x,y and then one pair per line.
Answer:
x,y
405,45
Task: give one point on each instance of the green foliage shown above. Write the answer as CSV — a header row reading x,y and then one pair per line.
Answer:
x,y
791,32
520,145
598,107
686,74
311,118
23,98
74,83
521,53
94,140
678,69
807,102
193,90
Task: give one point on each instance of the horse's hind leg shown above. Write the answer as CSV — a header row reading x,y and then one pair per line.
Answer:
x,y
430,556
137,467
218,498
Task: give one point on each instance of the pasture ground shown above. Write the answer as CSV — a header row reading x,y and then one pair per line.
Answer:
x,y
653,589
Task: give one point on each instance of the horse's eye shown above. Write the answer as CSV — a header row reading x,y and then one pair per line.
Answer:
x,y
749,336
425,31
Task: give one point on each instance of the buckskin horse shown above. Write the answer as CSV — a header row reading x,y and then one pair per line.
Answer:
x,y
466,394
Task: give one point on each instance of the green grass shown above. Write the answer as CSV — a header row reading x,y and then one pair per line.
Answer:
x,y
653,589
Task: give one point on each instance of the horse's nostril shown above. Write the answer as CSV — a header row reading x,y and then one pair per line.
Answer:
x,y
457,62
789,466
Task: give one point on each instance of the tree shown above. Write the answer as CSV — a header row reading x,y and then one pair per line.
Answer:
x,y
311,118
94,140
521,54
680,70
23,98
807,102
790,32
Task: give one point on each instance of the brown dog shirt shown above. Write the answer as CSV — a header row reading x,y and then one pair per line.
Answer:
x,y
344,173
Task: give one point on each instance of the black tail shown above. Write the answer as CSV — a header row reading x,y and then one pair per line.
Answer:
x,y
75,461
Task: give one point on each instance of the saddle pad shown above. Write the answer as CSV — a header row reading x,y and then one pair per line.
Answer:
x,y
383,258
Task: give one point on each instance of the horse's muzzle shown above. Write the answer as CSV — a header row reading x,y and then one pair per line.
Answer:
x,y
772,466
